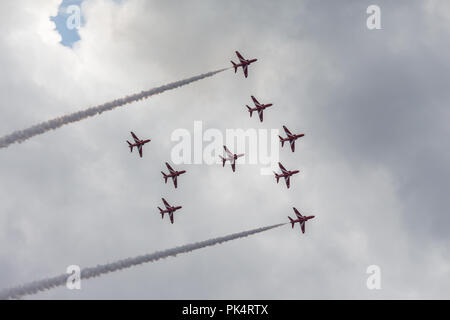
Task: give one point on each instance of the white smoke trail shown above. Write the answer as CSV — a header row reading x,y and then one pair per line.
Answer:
x,y
46,284
22,135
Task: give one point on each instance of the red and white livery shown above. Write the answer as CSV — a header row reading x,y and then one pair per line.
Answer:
x,y
300,219
172,174
259,107
138,143
290,137
169,210
286,174
244,63
230,157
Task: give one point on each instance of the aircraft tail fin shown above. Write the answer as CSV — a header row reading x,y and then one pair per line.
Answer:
x,y
277,176
250,110
130,145
282,141
162,213
223,161
235,66
165,177
292,221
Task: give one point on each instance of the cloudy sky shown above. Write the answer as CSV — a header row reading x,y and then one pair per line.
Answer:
x,y
374,162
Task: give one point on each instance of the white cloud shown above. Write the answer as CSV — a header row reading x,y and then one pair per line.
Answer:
x,y
77,196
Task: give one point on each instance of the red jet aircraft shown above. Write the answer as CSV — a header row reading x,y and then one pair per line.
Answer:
x,y
259,108
286,174
244,63
169,209
173,174
137,143
300,219
290,137
231,157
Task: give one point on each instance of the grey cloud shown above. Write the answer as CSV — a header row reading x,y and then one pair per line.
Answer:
x,y
374,159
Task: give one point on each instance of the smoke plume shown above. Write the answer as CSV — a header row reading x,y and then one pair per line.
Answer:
x,y
87,273
22,135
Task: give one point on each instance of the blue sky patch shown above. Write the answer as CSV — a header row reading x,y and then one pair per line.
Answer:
x,y
68,21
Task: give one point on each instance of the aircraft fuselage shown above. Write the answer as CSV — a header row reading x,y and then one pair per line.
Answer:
x,y
176,173
289,173
246,63
262,107
140,143
294,137
303,219
171,209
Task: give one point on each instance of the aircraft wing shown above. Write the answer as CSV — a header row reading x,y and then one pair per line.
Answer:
x,y
241,58
256,102
297,213
233,164
302,224
174,179
166,203
171,217
170,168
228,151
260,113
292,142
136,139
288,133
245,68
140,150
283,169
287,179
